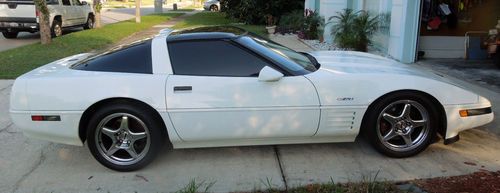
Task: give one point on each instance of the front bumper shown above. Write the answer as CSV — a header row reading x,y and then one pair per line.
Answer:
x,y
63,131
478,115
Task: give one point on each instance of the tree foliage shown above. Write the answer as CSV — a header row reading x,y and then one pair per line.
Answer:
x,y
258,11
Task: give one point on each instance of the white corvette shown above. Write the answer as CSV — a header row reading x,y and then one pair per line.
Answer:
x,y
222,86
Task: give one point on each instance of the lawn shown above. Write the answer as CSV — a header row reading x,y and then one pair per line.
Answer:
x,y
216,18
20,60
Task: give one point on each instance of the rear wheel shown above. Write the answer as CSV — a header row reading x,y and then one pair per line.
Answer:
x,y
10,35
123,137
56,29
401,125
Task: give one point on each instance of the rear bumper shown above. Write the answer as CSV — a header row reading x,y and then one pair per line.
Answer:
x,y
458,123
18,24
64,131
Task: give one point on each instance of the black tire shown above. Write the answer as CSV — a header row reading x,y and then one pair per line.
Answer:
x,y
97,142
90,23
56,29
214,8
10,35
375,125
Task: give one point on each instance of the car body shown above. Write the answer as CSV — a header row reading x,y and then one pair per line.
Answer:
x,y
21,16
211,5
251,92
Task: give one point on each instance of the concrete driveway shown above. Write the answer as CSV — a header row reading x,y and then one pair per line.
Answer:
x,y
30,165
108,16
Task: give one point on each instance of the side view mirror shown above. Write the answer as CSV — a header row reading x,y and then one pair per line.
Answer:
x,y
84,3
268,74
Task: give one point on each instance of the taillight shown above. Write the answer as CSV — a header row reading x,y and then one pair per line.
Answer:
x,y
37,13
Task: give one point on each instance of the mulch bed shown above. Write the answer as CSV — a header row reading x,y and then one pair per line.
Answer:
x,y
479,182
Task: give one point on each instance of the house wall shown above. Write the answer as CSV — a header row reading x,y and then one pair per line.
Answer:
x,y
399,41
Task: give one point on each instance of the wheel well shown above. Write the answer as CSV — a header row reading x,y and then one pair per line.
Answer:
x,y
58,18
442,121
91,15
87,115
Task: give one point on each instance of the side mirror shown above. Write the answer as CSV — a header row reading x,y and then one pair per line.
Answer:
x,y
268,74
84,3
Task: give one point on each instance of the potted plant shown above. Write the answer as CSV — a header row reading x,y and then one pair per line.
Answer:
x,y
271,24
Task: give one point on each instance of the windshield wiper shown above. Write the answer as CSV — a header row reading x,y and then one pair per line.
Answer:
x,y
312,59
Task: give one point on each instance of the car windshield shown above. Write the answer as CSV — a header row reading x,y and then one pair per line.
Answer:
x,y
295,62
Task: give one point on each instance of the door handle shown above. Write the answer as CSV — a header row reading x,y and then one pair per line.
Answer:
x,y
183,88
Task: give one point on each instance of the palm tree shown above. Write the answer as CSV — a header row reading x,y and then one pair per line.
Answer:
x,y
353,30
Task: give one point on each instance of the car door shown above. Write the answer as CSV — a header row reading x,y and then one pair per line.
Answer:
x,y
68,16
79,12
215,94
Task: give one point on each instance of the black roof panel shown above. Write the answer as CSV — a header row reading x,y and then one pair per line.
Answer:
x,y
206,33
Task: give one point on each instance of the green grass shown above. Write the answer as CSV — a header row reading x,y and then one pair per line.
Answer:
x,y
20,60
217,18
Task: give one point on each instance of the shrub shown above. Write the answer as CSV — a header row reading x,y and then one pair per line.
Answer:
x,y
291,22
255,11
313,24
353,30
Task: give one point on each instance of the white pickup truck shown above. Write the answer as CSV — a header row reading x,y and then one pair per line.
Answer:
x,y
20,15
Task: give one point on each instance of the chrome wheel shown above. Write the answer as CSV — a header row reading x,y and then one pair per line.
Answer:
x,y
90,23
403,125
57,30
122,139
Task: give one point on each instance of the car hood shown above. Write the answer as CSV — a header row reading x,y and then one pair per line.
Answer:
x,y
373,76
351,62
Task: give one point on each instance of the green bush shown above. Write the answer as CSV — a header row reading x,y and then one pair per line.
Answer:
x,y
257,11
353,30
291,22
313,25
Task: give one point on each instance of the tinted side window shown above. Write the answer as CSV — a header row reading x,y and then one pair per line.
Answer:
x,y
133,59
66,2
213,58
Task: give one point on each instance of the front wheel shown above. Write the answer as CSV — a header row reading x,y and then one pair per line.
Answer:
x,y
124,137
90,23
401,125
214,8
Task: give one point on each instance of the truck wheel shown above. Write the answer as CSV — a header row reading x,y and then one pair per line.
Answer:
x,y
56,28
90,23
10,35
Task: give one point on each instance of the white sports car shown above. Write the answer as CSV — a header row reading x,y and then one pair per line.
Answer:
x,y
223,86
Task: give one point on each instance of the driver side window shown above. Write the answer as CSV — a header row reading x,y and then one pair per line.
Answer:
x,y
213,58
66,2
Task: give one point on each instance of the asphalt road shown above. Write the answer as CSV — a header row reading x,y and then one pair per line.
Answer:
x,y
109,16
30,165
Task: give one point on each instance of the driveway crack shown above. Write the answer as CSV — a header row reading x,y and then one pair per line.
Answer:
x,y
33,168
6,127
278,155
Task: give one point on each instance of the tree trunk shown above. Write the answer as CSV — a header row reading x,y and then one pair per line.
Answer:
x,y
138,11
98,20
45,33
97,17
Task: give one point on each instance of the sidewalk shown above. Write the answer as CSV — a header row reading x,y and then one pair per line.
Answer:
x,y
291,41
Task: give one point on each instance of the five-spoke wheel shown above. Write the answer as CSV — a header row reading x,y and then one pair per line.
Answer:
x,y
401,125
124,137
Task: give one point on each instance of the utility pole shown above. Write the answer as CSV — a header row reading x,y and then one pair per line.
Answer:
x,y
138,11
